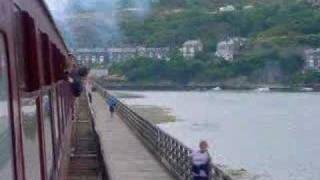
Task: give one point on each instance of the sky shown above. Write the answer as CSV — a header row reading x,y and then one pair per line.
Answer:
x,y
55,5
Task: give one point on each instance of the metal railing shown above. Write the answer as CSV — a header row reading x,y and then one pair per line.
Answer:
x,y
173,154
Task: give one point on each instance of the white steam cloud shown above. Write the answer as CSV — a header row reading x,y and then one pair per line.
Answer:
x,y
96,18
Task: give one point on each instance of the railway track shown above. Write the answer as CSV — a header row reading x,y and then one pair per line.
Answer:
x,y
85,162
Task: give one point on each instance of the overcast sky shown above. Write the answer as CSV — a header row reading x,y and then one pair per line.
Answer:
x,y
55,5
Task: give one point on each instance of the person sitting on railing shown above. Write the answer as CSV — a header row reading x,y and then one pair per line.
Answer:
x,y
201,162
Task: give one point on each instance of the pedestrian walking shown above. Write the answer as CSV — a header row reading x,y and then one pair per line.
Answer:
x,y
112,102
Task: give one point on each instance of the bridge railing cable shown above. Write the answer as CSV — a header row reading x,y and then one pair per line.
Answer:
x,y
173,154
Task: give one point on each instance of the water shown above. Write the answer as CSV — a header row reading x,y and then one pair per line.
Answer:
x,y
271,134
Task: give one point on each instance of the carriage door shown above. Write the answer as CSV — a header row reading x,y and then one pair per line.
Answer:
x,y
6,159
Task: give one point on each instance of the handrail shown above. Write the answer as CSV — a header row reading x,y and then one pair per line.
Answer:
x,y
173,154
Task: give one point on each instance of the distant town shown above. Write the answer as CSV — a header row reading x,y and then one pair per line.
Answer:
x,y
227,50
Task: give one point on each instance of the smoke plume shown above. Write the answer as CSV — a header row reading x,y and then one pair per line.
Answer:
x,y
94,23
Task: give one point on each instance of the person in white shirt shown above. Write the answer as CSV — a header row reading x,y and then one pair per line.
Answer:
x,y
201,162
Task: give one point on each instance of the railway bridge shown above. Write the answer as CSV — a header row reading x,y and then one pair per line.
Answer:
x,y
133,148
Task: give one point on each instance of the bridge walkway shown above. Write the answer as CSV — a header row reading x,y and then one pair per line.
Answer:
x,y
124,154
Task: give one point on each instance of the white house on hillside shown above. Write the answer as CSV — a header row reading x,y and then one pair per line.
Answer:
x,y
230,48
227,8
191,47
248,7
312,59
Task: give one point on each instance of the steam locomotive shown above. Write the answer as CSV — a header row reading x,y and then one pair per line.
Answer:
x,y
36,103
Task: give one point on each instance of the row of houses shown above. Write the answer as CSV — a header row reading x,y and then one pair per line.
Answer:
x,y
118,54
110,55
90,56
227,50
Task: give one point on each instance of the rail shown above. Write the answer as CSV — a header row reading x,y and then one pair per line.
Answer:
x,y
173,154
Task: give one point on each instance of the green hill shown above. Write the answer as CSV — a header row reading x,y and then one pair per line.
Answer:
x,y
277,32
191,19
101,23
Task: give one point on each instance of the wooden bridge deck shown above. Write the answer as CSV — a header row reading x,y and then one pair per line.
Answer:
x,y
125,156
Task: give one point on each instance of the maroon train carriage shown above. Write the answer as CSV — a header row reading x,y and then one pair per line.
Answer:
x,y
36,105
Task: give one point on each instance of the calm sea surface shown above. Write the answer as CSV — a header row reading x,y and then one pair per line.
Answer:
x,y
273,134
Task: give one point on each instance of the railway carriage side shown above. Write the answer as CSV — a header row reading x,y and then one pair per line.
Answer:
x,y
36,103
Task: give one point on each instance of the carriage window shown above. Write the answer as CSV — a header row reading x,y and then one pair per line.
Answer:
x,y
19,41
45,58
48,132
6,161
30,138
30,49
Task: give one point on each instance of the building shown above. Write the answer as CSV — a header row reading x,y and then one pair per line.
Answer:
x,y
90,56
248,7
155,53
120,54
227,8
312,59
230,48
314,2
190,48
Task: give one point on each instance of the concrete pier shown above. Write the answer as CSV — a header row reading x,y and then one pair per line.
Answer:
x,y
124,154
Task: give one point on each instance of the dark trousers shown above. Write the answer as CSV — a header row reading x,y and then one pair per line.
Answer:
x,y
200,178
111,109
90,97
197,169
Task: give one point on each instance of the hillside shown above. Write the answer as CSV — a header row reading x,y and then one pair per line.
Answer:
x,y
179,23
277,32
101,23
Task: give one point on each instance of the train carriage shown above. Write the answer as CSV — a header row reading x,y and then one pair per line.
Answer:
x,y
36,103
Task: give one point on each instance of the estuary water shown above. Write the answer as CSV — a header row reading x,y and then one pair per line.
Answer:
x,y
273,134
